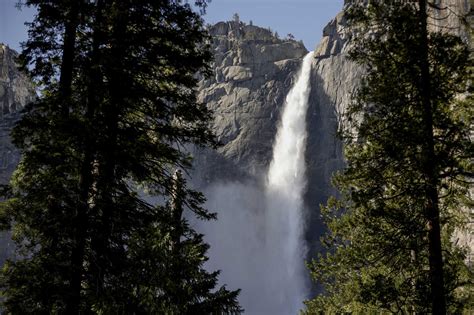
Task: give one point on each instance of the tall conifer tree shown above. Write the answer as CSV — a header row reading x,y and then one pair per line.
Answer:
x,y
110,129
409,170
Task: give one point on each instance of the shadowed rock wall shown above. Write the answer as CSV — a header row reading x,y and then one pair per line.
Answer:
x,y
16,90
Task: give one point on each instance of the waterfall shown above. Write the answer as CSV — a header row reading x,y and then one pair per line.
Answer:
x,y
284,195
258,242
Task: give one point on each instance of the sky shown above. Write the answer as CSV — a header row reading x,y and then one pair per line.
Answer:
x,y
305,19
12,28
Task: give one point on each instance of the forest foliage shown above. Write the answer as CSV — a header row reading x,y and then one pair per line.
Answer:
x,y
117,81
406,190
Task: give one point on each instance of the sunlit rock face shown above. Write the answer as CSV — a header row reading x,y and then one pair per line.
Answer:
x,y
16,90
252,72
333,84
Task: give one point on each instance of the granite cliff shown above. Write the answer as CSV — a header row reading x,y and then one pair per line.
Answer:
x,y
16,90
252,73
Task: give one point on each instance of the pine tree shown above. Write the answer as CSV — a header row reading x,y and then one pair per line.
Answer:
x,y
409,166
181,253
236,18
111,130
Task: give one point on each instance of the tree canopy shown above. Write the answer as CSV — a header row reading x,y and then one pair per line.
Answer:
x,y
117,82
408,147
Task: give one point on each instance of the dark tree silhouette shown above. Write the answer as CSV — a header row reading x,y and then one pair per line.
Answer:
x,y
95,144
408,174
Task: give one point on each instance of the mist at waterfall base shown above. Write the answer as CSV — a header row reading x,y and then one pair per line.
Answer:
x,y
257,240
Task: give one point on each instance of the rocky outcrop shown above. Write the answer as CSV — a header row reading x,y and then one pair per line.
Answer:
x,y
16,90
252,72
334,82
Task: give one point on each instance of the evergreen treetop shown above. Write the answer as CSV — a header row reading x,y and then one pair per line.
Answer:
x,y
408,175
118,103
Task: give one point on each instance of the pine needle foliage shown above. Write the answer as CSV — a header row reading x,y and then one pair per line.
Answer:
x,y
409,151
117,106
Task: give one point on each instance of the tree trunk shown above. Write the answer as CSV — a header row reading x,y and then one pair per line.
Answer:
x,y
81,222
177,196
67,63
65,91
107,157
432,199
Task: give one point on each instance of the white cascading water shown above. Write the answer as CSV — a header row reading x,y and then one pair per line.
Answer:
x,y
284,194
258,242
